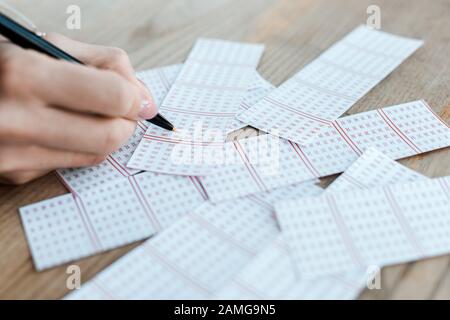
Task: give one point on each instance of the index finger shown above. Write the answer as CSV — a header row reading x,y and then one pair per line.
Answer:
x,y
107,58
80,88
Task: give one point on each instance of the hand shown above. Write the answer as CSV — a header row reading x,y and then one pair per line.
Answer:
x,y
55,114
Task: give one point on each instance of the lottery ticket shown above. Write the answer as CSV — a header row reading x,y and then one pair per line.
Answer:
x,y
337,232
320,93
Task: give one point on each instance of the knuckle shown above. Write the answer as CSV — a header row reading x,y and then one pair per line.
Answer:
x,y
53,37
16,132
124,95
95,160
17,178
118,56
11,123
82,160
8,162
19,70
12,73
4,130
20,133
115,136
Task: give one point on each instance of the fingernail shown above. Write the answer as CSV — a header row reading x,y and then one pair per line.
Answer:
x,y
148,110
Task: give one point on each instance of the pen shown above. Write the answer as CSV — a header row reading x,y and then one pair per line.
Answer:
x,y
27,39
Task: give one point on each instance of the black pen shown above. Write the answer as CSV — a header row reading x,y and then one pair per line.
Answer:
x,y
27,39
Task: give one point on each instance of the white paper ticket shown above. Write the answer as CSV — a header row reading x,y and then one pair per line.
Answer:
x,y
373,169
122,211
258,89
321,92
337,232
202,102
272,274
253,165
197,255
158,81
265,163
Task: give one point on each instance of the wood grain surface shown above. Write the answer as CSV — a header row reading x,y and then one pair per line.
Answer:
x,y
161,32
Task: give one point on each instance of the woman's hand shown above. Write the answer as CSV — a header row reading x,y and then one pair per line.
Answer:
x,y
55,114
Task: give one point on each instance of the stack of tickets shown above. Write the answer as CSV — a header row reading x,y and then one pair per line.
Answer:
x,y
246,219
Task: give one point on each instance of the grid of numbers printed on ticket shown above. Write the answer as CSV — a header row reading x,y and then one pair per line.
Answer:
x,y
322,91
272,274
398,132
202,103
196,256
340,231
77,225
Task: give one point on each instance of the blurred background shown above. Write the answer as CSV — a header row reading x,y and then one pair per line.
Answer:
x,y
150,29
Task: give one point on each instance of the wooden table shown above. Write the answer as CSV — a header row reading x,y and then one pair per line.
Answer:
x,y
161,32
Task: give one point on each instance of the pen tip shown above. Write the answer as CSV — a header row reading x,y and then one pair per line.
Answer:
x,y
174,129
